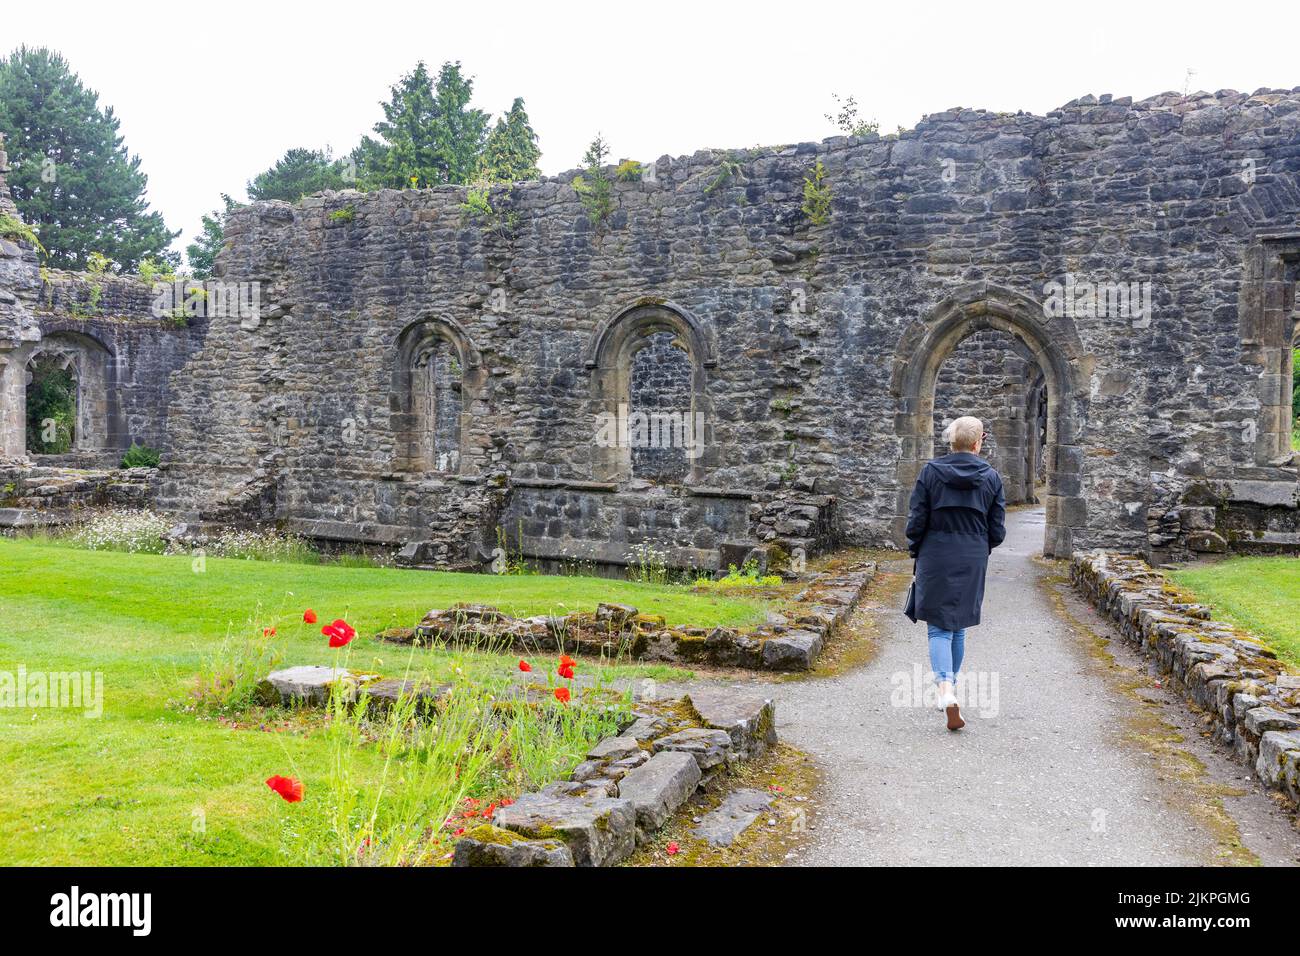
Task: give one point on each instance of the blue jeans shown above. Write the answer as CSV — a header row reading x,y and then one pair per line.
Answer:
x,y
946,651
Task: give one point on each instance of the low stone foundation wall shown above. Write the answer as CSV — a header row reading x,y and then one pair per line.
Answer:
x,y
683,526
34,496
668,745
1259,515
789,641
1249,697
629,785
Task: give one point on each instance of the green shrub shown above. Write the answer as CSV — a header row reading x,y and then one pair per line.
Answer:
x,y
151,271
477,205
1295,400
849,122
746,577
729,171
594,188
628,171
139,456
817,196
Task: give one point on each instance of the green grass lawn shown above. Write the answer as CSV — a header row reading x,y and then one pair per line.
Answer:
x,y
149,782
1261,595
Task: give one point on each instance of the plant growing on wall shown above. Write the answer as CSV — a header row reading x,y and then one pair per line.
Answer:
x,y
15,230
477,205
846,118
728,172
628,171
140,456
817,196
151,271
98,267
594,187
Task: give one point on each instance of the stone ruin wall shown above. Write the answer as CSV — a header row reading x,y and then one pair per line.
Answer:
x,y
806,336
815,348
104,329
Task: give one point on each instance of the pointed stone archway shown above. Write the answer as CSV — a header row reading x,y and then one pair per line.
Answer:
x,y
1055,346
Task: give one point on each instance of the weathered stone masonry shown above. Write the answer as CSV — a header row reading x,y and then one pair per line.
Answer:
x,y
812,351
1246,695
103,329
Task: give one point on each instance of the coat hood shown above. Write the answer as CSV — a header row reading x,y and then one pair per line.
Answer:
x,y
961,470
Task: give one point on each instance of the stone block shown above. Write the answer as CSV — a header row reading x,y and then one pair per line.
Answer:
x,y
1197,519
614,748
708,747
738,810
1207,542
487,845
646,728
792,651
1279,758
308,684
1261,720
599,831
383,694
659,786
749,718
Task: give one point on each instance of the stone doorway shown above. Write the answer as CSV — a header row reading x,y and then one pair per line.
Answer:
x,y
51,405
994,376
68,404
1028,369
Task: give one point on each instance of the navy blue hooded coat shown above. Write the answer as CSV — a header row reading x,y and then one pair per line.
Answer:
x,y
956,518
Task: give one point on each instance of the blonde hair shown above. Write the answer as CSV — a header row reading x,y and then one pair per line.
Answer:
x,y
964,433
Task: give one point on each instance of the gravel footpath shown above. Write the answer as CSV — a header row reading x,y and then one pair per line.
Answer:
x,y
1041,775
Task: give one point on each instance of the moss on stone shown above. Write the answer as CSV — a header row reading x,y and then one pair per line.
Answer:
x,y
487,833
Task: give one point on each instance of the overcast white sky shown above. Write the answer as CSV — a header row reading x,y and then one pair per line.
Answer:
x,y
212,94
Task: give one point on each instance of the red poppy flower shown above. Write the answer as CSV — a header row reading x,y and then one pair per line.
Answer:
x,y
566,671
673,848
309,616
459,831
340,632
491,809
562,694
268,632
525,666
567,661
287,787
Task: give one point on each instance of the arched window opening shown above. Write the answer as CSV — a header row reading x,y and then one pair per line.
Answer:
x,y
650,406
436,374
661,424
69,401
51,404
436,399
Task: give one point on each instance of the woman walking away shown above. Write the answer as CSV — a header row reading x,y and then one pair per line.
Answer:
x,y
956,518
